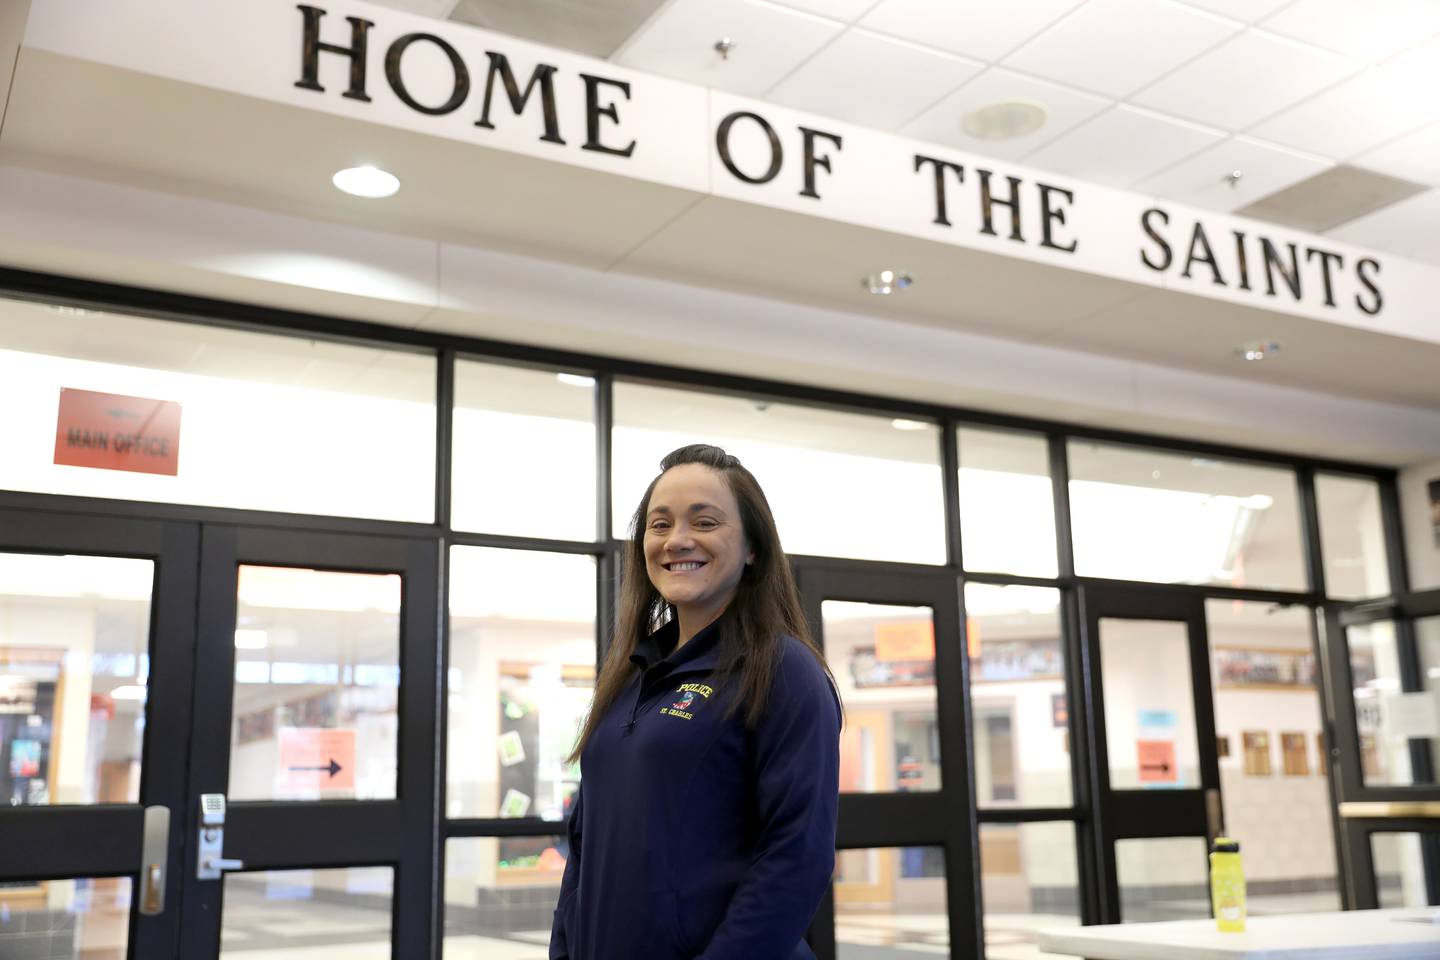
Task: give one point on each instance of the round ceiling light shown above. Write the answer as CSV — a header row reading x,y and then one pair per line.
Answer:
x,y
901,423
1006,120
1258,350
887,282
369,182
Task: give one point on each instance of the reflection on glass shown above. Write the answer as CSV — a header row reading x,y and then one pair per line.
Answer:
x,y
1007,505
1017,689
883,658
522,673
1165,879
1140,514
524,452
1149,704
1030,883
1267,702
500,895
1384,714
1352,537
285,914
1399,869
890,903
65,919
317,680
267,422
881,475
74,670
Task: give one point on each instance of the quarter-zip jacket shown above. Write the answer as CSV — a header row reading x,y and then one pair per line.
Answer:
x,y
692,836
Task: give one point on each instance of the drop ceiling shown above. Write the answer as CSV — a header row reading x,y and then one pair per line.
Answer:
x,y
1168,97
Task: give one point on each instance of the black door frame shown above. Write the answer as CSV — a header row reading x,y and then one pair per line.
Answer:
x,y
944,818
400,833
84,841
1146,814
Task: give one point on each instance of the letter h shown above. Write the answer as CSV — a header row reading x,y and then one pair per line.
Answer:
x,y
311,47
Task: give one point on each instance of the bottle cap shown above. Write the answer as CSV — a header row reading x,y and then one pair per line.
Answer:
x,y
1226,845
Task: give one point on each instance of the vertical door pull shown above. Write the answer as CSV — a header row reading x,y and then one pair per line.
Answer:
x,y
154,854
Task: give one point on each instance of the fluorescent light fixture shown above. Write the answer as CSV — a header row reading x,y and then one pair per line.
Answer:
x,y
899,423
369,182
251,640
575,379
130,691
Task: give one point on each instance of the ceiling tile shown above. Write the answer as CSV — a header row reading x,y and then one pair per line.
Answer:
x,y
1115,47
1406,228
898,80
985,29
1245,80
1369,30
1415,156
846,10
770,41
1353,116
1246,10
1093,151
1065,107
1202,180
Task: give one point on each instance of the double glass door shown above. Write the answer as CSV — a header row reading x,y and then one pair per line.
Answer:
x,y
201,740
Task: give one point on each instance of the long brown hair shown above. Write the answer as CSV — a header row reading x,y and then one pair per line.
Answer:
x,y
765,609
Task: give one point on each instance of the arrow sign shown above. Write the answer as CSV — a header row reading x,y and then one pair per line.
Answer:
x,y
332,766
1157,760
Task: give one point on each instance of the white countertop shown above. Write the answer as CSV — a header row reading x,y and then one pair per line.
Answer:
x,y
1411,934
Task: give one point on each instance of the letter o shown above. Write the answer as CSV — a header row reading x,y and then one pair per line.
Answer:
x,y
722,143
397,82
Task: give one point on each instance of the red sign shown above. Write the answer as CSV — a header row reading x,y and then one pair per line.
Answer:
x,y
313,757
905,640
111,432
1157,761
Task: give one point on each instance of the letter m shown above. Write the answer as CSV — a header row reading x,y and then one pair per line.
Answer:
x,y
544,75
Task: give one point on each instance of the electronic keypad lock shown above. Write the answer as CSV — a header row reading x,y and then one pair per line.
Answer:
x,y
211,862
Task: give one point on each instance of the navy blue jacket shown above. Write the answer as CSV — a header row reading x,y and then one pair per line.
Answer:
x,y
694,837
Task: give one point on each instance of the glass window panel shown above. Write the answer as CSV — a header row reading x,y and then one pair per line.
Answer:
x,y
524,452
74,671
500,896
1149,704
522,673
1017,692
1399,869
317,680
66,919
1385,715
840,484
1164,879
1007,505
267,422
890,903
284,914
1140,514
1030,883
1352,537
1266,681
883,658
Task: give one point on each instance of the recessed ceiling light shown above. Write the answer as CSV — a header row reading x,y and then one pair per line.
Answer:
x,y
369,182
251,639
899,423
575,379
887,281
1257,350
62,310
1004,121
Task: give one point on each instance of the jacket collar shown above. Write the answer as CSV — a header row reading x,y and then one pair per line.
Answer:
x,y
702,652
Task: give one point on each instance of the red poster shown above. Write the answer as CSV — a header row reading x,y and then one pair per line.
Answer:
x,y
905,640
312,757
1157,761
111,432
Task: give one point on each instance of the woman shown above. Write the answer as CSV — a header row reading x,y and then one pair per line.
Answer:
x,y
705,825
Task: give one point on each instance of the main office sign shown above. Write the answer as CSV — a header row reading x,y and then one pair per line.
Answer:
x,y
354,59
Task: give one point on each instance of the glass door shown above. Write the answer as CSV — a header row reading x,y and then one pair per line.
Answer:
x,y
1385,666
1155,760
313,761
96,660
904,871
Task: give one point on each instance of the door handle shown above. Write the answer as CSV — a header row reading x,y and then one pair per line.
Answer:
x,y
154,855
217,864
211,862
1214,814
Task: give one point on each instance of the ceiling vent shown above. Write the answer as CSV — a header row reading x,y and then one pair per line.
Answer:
x,y
1328,199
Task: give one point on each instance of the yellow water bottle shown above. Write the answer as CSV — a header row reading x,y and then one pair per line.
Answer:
x,y
1227,886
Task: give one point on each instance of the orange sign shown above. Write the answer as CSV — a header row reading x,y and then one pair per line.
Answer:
x,y
1157,761
111,432
315,758
905,640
